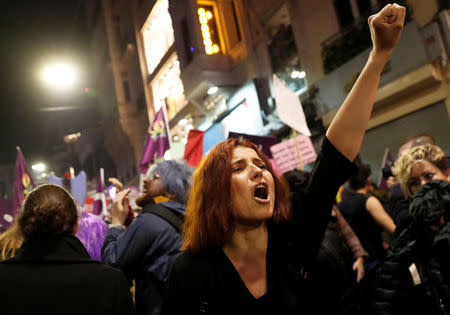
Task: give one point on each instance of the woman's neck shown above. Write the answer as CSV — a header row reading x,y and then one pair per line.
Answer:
x,y
247,251
247,242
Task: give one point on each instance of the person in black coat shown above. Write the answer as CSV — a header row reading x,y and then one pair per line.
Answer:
x,y
416,275
52,272
244,250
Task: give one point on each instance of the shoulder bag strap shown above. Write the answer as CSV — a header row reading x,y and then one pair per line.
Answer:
x,y
167,215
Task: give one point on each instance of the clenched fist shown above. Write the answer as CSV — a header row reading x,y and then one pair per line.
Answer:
x,y
385,28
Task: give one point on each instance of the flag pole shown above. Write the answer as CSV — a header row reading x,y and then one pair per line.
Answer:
x,y
103,197
166,122
297,146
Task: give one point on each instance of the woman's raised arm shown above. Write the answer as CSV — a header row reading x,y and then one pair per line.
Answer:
x,y
347,129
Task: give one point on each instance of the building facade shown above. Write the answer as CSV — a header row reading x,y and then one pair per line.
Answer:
x,y
413,96
117,86
210,64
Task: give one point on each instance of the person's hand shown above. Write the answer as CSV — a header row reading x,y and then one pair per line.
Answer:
x,y
119,209
358,266
117,183
385,29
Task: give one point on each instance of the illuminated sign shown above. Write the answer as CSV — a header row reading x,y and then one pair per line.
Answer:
x,y
209,29
157,34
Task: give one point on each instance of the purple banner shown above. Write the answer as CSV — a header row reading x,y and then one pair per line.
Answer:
x,y
6,214
23,182
156,143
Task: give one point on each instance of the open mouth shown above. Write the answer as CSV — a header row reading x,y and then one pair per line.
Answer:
x,y
261,193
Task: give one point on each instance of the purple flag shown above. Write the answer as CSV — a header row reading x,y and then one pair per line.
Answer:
x,y
100,197
156,143
6,214
23,183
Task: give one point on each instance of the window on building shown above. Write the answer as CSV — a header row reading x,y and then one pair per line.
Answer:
x,y
167,87
157,34
232,24
126,90
364,6
344,12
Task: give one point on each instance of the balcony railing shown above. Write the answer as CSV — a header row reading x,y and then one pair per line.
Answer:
x,y
343,46
352,40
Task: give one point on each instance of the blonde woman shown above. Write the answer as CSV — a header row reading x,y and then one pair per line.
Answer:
x,y
419,165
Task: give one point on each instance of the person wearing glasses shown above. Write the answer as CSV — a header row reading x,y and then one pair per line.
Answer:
x,y
145,250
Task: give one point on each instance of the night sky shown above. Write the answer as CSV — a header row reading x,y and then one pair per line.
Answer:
x,y
33,34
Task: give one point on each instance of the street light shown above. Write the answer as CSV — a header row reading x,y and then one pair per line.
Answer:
x,y
38,167
59,74
212,90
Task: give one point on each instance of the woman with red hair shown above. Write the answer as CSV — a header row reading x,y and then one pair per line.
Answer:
x,y
247,249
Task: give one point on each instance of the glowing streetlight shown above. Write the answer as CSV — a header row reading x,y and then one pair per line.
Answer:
x,y
59,74
38,167
298,74
212,90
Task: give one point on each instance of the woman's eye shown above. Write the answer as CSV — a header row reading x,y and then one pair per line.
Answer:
x,y
236,169
429,175
262,166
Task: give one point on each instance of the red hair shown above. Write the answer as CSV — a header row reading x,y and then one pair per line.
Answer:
x,y
210,219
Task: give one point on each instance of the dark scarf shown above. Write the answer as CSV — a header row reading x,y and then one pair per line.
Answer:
x,y
418,243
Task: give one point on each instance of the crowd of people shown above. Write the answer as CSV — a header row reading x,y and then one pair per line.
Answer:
x,y
230,237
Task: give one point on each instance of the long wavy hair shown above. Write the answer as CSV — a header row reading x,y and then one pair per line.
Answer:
x,y
10,241
210,218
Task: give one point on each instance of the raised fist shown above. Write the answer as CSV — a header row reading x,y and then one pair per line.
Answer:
x,y
386,27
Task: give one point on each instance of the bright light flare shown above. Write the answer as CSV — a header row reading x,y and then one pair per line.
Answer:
x,y
212,90
298,74
60,74
38,167
183,122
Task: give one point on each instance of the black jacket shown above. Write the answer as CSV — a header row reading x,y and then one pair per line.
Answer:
x,y
425,247
55,275
207,283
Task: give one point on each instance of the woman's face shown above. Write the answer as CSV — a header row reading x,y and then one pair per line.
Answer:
x,y
422,172
252,189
